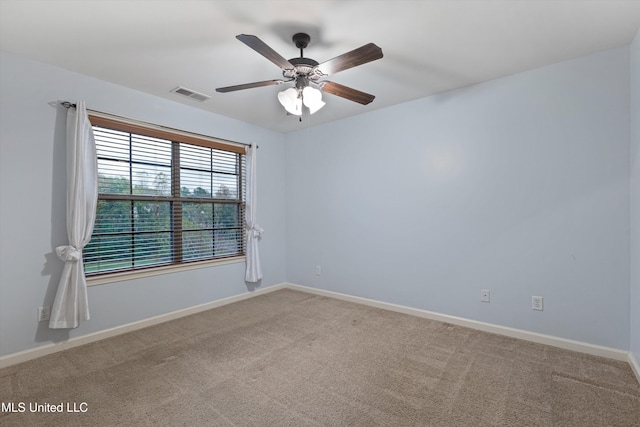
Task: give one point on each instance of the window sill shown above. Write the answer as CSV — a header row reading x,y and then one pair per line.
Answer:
x,y
156,271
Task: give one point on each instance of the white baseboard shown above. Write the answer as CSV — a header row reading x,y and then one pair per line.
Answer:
x,y
635,367
578,346
566,344
23,356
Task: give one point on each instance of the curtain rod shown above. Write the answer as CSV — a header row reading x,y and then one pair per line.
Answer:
x,y
67,104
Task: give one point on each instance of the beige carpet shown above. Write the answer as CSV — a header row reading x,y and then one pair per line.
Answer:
x,y
289,358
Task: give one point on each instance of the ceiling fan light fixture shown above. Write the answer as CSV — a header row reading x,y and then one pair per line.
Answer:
x,y
291,102
312,99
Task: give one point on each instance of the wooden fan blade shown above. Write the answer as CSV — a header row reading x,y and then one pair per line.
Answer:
x,y
263,49
362,55
346,92
249,85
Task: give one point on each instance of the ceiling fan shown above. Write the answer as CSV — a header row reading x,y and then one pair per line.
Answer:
x,y
306,73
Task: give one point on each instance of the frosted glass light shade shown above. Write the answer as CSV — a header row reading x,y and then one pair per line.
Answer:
x,y
290,101
312,98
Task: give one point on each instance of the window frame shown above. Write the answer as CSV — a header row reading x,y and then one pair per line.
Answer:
x,y
176,200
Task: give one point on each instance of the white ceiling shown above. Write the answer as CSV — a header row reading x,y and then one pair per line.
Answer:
x,y
429,46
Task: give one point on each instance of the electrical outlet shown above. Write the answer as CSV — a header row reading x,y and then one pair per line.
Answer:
x,y
318,270
485,295
536,303
44,313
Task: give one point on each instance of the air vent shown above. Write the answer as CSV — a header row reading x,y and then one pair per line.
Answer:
x,y
191,94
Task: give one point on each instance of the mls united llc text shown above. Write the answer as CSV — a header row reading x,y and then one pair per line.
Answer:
x,y
21,407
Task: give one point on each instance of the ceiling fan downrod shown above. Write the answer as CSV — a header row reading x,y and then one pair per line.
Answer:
x,y
301,40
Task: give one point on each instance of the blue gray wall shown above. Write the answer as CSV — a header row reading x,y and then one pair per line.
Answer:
x,y
518,185
635,197
32,221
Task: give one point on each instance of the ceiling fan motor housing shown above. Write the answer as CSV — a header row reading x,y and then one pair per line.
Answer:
x,y
303,66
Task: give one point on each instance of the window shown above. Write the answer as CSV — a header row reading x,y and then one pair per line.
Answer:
x,y
164,198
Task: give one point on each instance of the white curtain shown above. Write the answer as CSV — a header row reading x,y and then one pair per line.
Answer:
x,y
254,270
71,303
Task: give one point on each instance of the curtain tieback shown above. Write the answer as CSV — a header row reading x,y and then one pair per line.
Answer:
x,y
69,253
254,231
